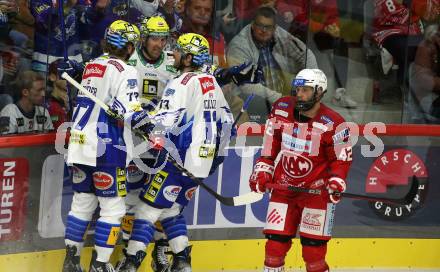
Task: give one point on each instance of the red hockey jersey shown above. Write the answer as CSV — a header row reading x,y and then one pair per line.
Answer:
x,y
306,151
394,18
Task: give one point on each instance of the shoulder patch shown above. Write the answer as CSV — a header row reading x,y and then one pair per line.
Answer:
x,y
116,64
207,84
326,119
283,105
132,62
169,92
187,78
94,70
170,68
281,113
341,136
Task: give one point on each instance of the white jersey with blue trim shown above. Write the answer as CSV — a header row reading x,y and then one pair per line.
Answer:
x,y
153,77
194,109
95,135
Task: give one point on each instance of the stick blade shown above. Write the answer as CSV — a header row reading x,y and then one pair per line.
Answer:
x,y
408,199
248,198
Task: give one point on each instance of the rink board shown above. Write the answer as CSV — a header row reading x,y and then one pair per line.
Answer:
x,y
249,254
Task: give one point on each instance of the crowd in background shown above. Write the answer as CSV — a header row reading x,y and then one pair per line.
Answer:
x,y
283,36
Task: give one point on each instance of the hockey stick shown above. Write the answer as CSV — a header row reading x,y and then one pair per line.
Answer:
x,y
406,200
239,200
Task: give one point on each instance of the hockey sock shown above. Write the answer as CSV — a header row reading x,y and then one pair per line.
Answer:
x,y
141,236
106,236
177,233
314,257
276,253
75,232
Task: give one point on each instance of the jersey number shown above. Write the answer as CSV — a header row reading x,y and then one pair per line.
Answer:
x,y
345,154
82,114
211,126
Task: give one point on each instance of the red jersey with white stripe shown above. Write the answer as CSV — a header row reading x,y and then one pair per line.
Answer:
x,y
394,18
306,151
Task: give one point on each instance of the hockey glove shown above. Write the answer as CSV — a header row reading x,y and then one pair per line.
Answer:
x,y
71,67
262,174
335,185
141,121
248,75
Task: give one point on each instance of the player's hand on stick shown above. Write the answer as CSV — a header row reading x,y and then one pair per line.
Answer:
x,y
261,175
335,185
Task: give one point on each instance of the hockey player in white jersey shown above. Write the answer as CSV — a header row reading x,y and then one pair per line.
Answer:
x,y
94,153
194,103
155,68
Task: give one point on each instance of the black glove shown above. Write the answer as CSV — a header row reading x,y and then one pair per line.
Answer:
x,y
240,74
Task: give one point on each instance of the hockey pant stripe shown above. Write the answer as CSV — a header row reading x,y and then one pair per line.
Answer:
x,y
75,229
106,234
142,231
174,226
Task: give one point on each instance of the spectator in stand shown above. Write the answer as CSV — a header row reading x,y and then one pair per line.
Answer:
x,y
280,54
48,39
198,18
57,103
424,80
398,29
28,114
324,24
8,10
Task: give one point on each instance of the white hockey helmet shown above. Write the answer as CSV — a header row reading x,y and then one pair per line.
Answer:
x,y
314,78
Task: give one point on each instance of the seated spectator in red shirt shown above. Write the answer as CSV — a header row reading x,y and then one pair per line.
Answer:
x,y
57,103
398,28
28,114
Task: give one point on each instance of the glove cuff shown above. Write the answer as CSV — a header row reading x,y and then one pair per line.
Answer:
x,y
338,181
264,165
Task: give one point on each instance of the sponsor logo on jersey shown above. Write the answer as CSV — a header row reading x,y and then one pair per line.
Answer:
x,y
391,174
94,70
155,185
169,92
326,119
341,136
296,144
78,175
20,121
171,192
282,113
187,78
207,84
116,64
276,216
209,104
132,62
296,165
102,180
189,193
121,179
132,83
206,151
283,105
77,137
41,119
134,174
312,221
149,87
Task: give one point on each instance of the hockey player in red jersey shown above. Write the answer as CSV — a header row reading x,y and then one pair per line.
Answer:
x,y
306,144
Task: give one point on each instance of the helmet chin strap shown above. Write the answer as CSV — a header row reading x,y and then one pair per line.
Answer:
x,y
307,105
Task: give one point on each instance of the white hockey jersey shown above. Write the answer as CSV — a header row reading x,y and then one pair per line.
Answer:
x,y
153,77
95,136
14,120
194,109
